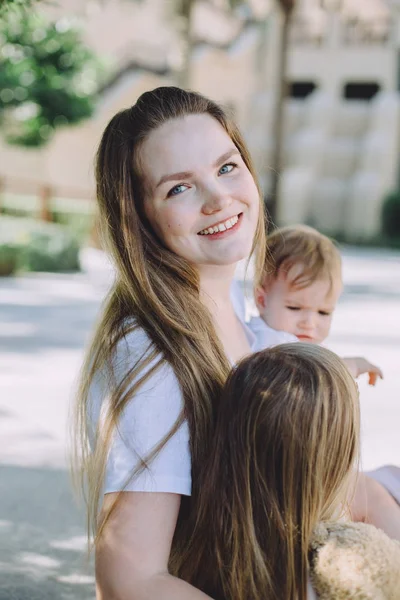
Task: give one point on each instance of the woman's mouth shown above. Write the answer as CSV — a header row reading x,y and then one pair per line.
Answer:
x,y
222,228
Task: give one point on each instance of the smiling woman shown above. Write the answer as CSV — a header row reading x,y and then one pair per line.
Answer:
x,y
180,205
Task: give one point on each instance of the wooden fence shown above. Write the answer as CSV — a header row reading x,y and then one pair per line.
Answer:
x,y
43,197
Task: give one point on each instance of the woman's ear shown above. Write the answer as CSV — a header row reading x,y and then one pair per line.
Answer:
x,y
259,296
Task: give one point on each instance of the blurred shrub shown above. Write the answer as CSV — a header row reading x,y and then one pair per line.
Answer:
x,y
31,245
9,259
80,224
47,251
391,215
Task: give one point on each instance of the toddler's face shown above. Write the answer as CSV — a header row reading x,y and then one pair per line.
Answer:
x,y
305,313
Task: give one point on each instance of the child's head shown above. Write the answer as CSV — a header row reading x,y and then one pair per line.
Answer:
x,y
285,447
301,283
292,413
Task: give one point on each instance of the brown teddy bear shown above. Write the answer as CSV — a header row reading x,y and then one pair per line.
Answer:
x,y
354,561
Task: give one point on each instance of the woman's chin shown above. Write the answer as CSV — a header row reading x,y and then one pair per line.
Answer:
x,y
235,253
230,258
231,254
220,261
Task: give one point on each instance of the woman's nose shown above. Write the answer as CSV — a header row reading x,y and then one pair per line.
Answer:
x,y
216,199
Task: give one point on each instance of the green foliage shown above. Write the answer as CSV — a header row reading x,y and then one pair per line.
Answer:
x,y
31,245
10,4
376,241
48,77
9,259
391,215
77,216
48,252
79,224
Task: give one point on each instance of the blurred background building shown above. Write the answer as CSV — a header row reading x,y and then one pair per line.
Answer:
x,y
340,120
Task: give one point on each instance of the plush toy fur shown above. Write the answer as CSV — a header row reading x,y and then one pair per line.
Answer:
x,y
354,561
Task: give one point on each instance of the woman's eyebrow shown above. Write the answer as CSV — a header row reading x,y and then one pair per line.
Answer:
x,y
174,177
225,156
187,174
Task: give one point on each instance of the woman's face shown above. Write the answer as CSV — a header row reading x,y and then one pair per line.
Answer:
x,y
201,199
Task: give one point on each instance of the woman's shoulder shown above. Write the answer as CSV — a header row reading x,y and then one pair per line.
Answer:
x,y
133,349
153,409
133,341
354,560
135,365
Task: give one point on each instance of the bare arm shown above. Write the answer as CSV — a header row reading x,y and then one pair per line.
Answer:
x,y
132,556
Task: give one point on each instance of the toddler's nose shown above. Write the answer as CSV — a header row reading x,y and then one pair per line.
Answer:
x,y
307,321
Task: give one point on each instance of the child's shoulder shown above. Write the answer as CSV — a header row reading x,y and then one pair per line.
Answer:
x,y
354,560
266,336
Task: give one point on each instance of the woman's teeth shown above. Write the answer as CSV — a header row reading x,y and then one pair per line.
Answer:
x,y
221,226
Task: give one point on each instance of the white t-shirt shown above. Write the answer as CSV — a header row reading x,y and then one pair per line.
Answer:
x,y
153,411
266,337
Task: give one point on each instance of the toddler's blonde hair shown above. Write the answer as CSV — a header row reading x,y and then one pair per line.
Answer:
x,y
301,245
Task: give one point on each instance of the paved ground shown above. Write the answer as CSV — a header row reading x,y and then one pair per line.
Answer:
x,y
44,323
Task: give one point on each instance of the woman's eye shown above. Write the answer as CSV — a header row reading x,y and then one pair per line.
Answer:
x,y
178,189
227,168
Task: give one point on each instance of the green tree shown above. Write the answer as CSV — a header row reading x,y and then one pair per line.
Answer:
x,y
48,77
6,4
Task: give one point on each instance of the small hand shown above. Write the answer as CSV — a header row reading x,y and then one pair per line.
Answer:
x,y
359,365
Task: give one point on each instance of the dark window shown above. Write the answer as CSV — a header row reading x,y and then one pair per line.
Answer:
x,y
301,89
360,91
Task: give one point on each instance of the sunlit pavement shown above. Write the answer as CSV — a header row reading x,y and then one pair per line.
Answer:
x,y
44,323
45,320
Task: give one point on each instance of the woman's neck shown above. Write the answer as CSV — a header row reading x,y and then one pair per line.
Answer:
x,y
215,293
215,287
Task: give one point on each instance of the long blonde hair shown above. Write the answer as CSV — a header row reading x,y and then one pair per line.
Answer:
x,y
155,290
286,442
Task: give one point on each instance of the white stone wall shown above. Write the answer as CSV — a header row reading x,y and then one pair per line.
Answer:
x,y
341,163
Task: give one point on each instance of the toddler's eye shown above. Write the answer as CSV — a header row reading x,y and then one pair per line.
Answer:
x,y
324,313
178,189
293,307
228,168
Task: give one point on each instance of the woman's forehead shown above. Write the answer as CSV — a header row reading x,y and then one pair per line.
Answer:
x,y
184,144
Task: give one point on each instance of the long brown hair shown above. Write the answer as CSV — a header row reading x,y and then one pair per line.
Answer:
x,y
155,290
286,442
